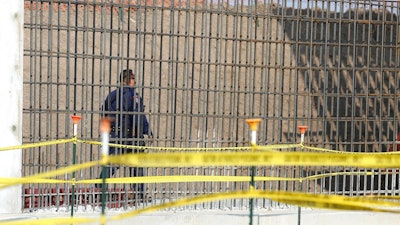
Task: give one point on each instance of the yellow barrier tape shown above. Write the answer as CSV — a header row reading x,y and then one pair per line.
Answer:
x,y
51,221
391,197
158,179
89,142
61,171
169,148
296,198
323,175
256,147
147,179
321,149
275,147
332,158
175,179
30,181
39,144
337,151
365,160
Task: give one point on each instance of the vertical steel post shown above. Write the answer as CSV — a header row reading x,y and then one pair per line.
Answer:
x,y
105,129
253,123
75,120
302,130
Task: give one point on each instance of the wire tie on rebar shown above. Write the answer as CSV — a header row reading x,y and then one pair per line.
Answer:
x,y
253,146
104,160
75,139
252,189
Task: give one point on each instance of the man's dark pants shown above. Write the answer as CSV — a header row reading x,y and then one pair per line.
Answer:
x,y
133,171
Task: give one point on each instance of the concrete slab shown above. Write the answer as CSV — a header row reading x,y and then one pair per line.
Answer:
x,y
229,217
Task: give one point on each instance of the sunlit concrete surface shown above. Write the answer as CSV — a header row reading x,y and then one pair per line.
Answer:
x,y
230,217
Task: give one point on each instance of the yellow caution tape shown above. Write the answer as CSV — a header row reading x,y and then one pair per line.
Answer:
x,y
365,160
31,181
146,179
90,142
169,148
319,176
211,159
146,160
391,197
39,144
187,178
176,179
275,147
337,151
294,198
49,221
204,158
57,172
244,148
320,149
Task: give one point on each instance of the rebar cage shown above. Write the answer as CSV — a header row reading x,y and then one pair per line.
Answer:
x,y
202,68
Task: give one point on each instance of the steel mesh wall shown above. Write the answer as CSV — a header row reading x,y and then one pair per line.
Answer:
x,y
203,67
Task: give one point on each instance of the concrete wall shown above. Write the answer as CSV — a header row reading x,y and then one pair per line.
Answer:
x,y
11,52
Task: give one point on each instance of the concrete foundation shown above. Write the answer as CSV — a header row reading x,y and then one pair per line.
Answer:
x,y
231,217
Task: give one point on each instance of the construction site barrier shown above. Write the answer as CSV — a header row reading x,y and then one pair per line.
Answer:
x,y
260,156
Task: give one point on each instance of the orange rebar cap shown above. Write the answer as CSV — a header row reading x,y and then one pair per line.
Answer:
x,y
105,125
253,123
302,129
75,119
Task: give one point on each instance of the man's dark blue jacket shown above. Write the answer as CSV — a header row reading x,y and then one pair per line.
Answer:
x,y
125,108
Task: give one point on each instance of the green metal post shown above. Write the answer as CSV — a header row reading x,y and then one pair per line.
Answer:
x,y
303,130
75,120
253,123
73,181
105,129
251,199
103,190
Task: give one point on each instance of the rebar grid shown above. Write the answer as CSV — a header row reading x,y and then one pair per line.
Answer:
x,y
203,67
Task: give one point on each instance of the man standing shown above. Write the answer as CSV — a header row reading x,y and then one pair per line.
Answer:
x,y
125,109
